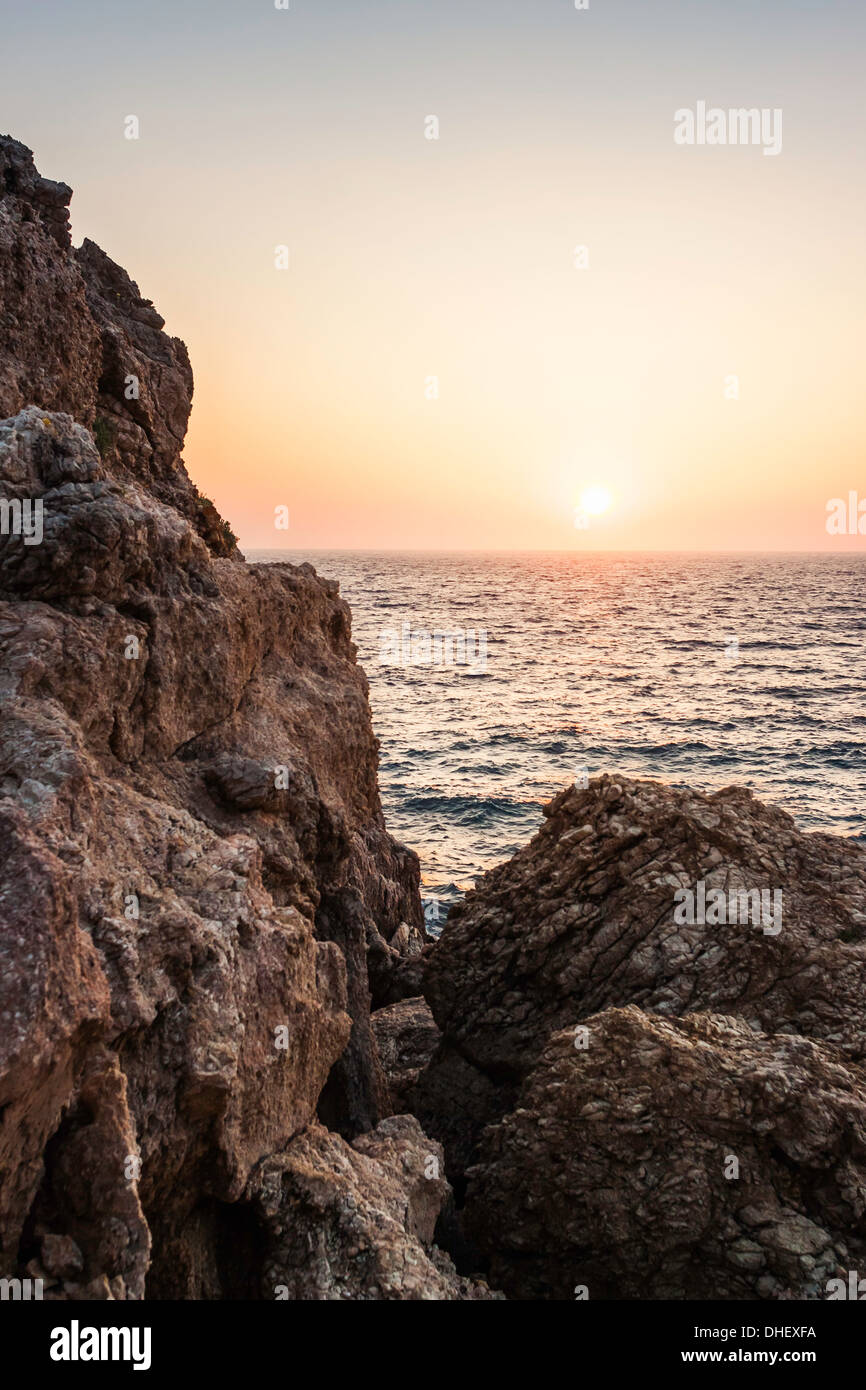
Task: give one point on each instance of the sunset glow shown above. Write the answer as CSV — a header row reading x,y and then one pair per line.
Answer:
x,y
436,355
595,500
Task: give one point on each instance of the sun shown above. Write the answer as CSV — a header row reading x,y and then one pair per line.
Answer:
x,y
595,500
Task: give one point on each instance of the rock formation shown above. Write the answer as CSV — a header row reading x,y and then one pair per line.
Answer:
x,y
193,859
675,1159
406,1038
357,1221
601,1058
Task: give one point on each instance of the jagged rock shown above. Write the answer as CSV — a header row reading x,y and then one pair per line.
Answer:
x,y
396,967
357,1222
101,539
86,1183
183,962
406,1038
247,785
61,1256
78,338
583,919
145,384
678,1159
50,344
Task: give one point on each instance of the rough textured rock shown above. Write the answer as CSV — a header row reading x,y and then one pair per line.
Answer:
x,y
357,1222
78,337
50,343
683,1159
144,394
192,851
406,1038
583,919
396,967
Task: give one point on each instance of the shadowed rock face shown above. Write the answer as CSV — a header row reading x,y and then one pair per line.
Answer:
x,y
406,1038
192,852
677,1159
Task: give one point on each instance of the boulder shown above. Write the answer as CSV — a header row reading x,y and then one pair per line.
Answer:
x,y
357,1221
406,1038
586,918
666,1158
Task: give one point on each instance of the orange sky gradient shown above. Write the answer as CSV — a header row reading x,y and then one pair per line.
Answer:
x,y
453,258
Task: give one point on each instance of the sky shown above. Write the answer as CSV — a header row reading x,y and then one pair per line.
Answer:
x,y
438,367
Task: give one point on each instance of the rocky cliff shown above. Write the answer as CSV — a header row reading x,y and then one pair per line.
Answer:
x,y
194,868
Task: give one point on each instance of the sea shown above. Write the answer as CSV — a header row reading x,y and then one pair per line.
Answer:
x,y
497,679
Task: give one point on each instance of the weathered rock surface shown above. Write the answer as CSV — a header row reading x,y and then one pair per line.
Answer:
x,y
678,1159
406,1038
50,343
357,1222
78,337
396,966
637,1100
582,919
192,851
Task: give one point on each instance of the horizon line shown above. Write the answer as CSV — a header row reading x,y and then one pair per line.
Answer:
x,y
528,550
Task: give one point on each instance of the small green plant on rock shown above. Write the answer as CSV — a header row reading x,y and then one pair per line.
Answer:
x,y
103,434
